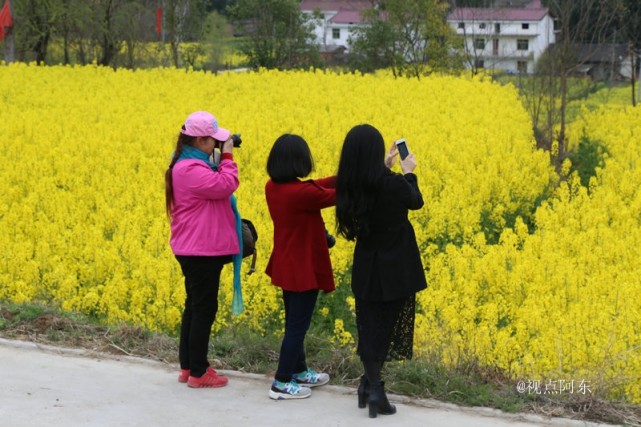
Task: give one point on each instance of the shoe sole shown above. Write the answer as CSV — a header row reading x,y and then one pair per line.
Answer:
x,y
284,396
312,385
206,385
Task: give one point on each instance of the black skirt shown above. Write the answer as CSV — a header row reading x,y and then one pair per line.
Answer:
x,y
385,329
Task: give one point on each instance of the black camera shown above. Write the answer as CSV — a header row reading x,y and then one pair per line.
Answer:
x,y
236,140
331,240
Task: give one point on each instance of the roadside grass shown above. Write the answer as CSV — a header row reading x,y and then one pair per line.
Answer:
x,y
241,350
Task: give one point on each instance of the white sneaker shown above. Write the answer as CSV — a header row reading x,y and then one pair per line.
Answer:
x,y
311,378
288,390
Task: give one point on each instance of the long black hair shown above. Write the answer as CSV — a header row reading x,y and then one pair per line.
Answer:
x,y
361,166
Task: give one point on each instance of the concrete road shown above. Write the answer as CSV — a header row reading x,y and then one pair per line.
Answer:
x,y
48,386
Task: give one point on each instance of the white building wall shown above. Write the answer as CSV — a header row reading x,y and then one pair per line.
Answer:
x,y
321,26
501,44
324,31
344,33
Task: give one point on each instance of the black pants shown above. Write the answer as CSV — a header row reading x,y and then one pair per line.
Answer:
x,y
385,329
299,307
202,280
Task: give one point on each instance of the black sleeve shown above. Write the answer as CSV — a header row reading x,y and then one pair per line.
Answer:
x,y
411,195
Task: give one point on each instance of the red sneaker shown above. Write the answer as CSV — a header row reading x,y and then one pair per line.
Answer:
x,y
209,379
183,376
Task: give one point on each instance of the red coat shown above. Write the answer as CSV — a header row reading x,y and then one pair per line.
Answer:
x,y
300,258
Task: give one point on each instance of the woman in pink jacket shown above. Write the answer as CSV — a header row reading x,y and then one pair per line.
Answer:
x,y
203,235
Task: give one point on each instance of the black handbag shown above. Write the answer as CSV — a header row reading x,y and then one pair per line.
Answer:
x,y
250,236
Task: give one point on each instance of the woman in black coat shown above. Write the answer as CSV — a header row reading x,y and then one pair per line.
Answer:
x,y
372,204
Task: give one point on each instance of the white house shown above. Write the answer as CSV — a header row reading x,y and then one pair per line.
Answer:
x,y
505,37
336,20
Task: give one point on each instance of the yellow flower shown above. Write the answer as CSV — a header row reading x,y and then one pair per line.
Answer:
x,y
535,282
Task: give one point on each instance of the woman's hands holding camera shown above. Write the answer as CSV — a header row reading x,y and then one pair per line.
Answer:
x,y
227,146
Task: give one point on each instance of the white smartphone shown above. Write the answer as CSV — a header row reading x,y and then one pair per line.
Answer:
x,y
401,146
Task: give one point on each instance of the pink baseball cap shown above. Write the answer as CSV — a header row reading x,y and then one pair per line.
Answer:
x,y
202,123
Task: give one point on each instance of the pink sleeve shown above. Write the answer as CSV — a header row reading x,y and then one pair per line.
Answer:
x,y
207,184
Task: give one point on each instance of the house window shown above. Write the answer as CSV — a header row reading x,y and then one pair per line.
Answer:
x,y
461,25
522,44
336,33
482,25
525,26
521,67
479,44
495,47
479,63
497,28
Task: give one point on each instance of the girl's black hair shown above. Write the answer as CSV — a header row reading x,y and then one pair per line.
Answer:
x,y
289,159
361,166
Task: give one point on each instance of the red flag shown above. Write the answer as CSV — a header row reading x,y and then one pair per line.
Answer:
x,y
159,20
6,20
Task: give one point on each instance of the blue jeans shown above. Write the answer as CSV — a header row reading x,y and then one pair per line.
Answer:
x,y
299,307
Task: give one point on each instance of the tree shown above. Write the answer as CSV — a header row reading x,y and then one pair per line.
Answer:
x,y
73,26
372,47
35,24
474,36
411,37
629,23
109,16
217,5
176,12
578,21
215,31
278,34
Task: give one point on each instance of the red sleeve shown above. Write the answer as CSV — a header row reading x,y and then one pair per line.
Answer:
x,y
314,196
329,182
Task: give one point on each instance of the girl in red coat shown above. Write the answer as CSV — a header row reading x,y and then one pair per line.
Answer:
x,y
299,262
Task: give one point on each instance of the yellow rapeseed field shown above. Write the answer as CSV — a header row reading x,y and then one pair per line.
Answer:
x,y
529,274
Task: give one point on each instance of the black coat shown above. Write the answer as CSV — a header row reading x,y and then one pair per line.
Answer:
x,y
387,263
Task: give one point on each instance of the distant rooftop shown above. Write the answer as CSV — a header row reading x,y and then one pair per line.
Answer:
x,y
334,5
347,17
347,12
508,10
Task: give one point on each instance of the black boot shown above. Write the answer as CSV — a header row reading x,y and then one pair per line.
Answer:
x,y
378,403
377,399
363,392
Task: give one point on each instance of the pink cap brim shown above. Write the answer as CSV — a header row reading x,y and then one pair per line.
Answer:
x,y
221,135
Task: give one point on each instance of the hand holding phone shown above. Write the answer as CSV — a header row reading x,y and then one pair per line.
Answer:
x,y
401,146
